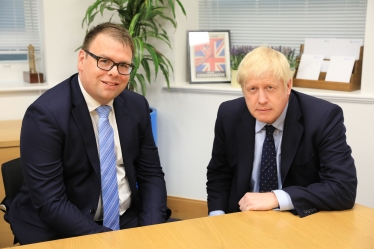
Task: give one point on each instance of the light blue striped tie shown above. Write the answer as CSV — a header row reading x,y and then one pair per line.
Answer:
x,y
109,185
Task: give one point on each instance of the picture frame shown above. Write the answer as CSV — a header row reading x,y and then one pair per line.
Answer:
x,y
209,56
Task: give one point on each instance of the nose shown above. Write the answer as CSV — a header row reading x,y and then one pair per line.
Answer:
x,y
114,70
262,96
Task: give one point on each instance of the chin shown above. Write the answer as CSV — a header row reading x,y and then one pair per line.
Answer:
x,y
265,120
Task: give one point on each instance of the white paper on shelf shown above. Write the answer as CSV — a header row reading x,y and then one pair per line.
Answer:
x,y
325,66
346,47
340,69
309,67
318,46
333,47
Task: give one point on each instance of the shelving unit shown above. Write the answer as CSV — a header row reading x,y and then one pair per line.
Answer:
x,y
354,84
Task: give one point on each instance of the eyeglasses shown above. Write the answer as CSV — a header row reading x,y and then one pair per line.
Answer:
x,y
107,65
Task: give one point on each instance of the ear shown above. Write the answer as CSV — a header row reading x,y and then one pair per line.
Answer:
x,y
81,60
289,86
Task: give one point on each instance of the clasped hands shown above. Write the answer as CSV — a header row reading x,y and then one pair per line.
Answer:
x,y
258,201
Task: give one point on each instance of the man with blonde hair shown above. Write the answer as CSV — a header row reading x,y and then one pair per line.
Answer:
x,y
276,148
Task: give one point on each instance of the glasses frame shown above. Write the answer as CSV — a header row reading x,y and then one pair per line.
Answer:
x,y
97,58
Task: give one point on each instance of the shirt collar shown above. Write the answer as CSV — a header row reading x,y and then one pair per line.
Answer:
x,y
92,104
279,123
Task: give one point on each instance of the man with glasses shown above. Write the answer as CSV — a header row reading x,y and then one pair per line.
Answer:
x,y
89,158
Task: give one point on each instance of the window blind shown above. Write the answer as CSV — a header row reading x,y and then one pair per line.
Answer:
x,y
283,22
19,27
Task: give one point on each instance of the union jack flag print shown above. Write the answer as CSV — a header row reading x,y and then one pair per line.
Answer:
x,y
210,57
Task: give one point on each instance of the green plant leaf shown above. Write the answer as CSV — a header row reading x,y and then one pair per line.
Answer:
x,y
133,85
166,75
102,8
152,52
133,24
138,56
89,12
150,25
148,7
182,8
169,65
147,70
141,80
171,4
169,19
155,35
92,17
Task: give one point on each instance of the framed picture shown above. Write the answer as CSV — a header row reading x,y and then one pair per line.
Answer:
x,y
209,56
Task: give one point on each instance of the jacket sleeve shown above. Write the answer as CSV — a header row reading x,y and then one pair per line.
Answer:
x,y
219,173
337,185
149,173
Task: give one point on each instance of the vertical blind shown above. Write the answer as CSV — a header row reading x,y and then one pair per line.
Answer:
x,y
283,22
19,27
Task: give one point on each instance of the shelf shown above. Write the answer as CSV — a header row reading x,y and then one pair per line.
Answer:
x,y
17,86
354,84
226,89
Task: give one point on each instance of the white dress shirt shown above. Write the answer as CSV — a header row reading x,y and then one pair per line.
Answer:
x,y
123,185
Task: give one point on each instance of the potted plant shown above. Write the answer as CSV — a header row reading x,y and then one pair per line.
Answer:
x,y
237,54
289,52
142,18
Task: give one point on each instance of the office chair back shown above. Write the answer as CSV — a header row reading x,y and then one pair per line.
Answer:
x,y
13,178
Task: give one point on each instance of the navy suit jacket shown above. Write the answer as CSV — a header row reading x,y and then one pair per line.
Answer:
x,y
317,168
62,167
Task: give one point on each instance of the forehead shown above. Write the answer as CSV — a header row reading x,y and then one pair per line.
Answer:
x,y
106,46
263,80
103,40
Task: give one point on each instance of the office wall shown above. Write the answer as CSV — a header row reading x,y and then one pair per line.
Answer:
x,y
186,119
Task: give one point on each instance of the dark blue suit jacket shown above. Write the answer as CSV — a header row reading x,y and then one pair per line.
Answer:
x,y
62,168
317,168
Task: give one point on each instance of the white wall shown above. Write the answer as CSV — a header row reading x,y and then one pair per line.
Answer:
x,y
186,119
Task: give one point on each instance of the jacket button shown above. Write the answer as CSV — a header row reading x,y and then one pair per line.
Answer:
x,y
92,211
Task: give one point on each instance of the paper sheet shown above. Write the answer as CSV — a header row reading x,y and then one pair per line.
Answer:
x,y
309,67
340,69
318,46
333,47
346,47
325,66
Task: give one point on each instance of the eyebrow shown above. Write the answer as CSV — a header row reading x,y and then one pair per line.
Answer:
x,y
106,57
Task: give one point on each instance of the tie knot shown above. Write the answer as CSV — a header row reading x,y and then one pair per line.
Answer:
x,y
103,111
269,130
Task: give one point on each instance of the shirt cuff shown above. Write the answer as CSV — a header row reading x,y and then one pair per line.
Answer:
x,y
216,212
284,200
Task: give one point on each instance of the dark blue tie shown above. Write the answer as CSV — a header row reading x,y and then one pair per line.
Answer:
x,y
109,185
268,174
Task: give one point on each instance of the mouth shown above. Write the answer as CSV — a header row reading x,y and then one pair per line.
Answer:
x,y
110,83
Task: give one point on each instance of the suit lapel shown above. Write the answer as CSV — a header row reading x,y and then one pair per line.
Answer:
x,y
124,126
245,134
83,121
292,134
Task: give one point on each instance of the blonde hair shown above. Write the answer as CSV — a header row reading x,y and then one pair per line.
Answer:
x,y
263,62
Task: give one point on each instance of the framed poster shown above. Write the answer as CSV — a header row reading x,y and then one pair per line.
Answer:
x,y
209,56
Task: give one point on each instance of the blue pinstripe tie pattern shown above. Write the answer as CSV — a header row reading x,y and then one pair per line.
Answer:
x,y
269,173
109,184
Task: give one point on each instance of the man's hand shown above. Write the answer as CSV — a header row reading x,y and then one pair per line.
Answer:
x,y
258,201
